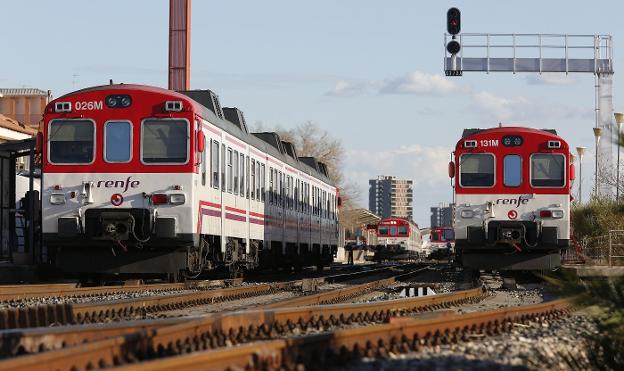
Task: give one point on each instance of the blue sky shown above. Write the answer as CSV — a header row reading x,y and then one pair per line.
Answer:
x,y
368,72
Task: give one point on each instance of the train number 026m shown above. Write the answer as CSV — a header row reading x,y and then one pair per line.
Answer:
x,y
88,106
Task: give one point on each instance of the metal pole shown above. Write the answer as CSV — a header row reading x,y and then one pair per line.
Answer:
x,y
580,179
596,171
617,182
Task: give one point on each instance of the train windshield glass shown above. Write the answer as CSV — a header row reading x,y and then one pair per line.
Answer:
x,y
512,170
71,141
547,170
118,141
164,141
402,230
476,170
383,231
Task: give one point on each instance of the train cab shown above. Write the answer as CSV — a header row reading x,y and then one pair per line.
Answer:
x,y
512,196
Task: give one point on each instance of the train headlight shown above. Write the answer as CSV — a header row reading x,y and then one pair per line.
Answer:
x,y
557,214
57,198
118,101
177,198
467,214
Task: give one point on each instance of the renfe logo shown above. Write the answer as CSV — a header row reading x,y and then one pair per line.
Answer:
x,y
125,184
512,201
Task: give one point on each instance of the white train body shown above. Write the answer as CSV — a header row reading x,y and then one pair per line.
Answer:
x,y
173,183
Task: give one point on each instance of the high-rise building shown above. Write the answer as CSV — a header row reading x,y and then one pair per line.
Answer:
x,y
442,216
389,196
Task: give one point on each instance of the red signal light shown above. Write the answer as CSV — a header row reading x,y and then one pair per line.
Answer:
x,y
545,214
453,21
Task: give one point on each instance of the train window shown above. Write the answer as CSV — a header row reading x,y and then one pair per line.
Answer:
x,y
242,175
204,165
71,141
476,170
117,141
512,169
223,159
230,172
383,230
403,230
547,170
270,185
235,172
393,230
253,179
257,181
214,164
248,177
164,141
262,182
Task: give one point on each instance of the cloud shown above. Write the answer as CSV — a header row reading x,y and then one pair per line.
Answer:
x,y
550,79
344,88
414,83
426,166
418,83
495,108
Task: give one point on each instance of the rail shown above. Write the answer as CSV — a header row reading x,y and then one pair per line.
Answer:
x,y
215,331
325,349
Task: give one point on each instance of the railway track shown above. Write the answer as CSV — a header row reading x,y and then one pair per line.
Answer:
x,y
100,311
340,346
14,293
159,339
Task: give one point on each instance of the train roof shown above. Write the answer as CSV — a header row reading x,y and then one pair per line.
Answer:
x,y
230,120
508,130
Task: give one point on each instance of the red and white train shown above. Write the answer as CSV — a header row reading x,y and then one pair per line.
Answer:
x,y
398,238
439,237
140,179
512,196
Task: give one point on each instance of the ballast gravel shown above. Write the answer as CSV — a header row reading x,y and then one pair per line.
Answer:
x,y
556,345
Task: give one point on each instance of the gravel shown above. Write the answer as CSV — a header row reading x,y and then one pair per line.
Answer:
x,y
557,345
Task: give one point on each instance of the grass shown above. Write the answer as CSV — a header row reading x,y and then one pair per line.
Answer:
x,y
603,300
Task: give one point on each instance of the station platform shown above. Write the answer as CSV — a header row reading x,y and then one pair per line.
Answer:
x,y
594,270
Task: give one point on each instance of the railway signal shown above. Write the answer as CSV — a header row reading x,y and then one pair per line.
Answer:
x,y
453,21
453,27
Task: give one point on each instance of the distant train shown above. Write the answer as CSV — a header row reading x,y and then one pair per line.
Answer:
x,y
397,239
512,196
140,179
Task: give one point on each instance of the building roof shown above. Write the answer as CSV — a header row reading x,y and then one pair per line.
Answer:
x,y
9,123
358,217
6,92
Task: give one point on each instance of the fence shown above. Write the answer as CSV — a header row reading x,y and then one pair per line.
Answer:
x,y
604,250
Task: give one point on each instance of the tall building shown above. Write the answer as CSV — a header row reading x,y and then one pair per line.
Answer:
x,y
389,196
442,216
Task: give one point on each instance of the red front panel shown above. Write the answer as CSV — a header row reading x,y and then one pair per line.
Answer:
x,y
146,103
491,142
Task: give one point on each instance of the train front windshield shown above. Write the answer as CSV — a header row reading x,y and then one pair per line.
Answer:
x,y
71,141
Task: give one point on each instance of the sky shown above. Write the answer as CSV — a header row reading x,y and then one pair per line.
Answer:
x,y
368,72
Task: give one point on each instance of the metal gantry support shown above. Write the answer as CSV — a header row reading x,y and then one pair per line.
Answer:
x,y
539,53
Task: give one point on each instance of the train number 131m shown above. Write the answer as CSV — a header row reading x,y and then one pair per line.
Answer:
x,y
488,143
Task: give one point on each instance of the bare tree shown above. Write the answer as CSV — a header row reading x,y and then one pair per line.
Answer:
x,y
310,140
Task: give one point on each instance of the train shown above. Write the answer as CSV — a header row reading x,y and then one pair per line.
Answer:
x,y
398,239
145,180
512,198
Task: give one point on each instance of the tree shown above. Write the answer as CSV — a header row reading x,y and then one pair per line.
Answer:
x,y
312,141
